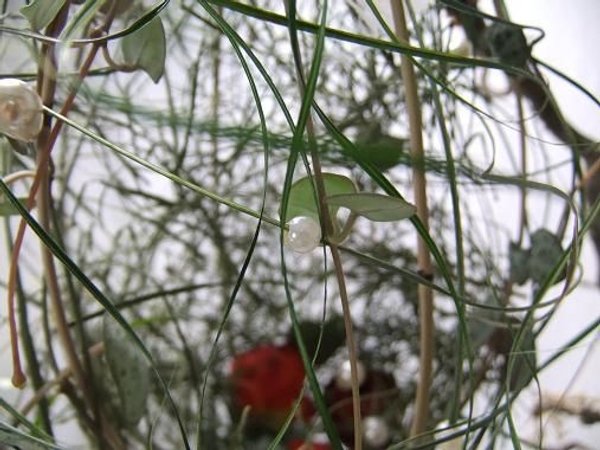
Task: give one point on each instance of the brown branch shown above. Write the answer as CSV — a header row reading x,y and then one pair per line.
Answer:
x,y
426,322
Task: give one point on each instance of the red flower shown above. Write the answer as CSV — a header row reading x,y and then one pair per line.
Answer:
x,y
300,444
268,379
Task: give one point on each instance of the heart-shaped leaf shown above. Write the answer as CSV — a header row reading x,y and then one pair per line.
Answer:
x,y
375,207
302,199
146,49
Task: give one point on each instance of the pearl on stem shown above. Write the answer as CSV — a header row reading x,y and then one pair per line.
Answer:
x,y
303,234
20,110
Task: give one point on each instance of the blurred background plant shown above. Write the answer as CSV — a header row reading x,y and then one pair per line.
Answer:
x,y
172,134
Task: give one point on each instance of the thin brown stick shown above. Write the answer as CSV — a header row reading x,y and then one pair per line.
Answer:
x,y
426,323
339,272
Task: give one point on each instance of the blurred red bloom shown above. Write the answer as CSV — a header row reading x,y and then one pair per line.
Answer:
x,y
268,379
301,444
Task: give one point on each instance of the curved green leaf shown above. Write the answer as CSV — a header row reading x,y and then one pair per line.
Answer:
x,y
146,49
302,198
375,207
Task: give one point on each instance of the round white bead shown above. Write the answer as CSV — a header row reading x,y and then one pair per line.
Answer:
x,y
343,376
20,110
375,431
303,234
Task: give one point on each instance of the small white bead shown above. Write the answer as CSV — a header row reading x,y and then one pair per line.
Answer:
x,y
303,234
343,377
20,110
375,431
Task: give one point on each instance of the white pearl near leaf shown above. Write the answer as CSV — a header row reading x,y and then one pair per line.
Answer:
x,y
343,376
303,234
20,110
376,432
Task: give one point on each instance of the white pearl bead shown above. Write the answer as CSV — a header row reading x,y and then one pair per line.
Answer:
x,y
20,110
343,377
375,431
303,234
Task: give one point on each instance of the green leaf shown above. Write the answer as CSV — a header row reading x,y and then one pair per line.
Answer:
x,y
380,149
375,207
524,361
546,253
129,370
333,337
145,49
7,209
40,13
302,199
519,263
384,154
507,42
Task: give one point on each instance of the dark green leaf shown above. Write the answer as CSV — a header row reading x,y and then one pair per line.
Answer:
x,y
519,263
333,337
381,150
507,43
145,49
546,253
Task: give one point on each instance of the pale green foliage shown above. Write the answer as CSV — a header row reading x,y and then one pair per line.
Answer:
x,y
145,49
40,13
375,207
